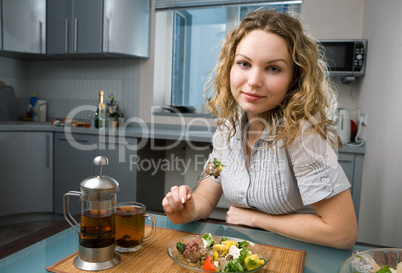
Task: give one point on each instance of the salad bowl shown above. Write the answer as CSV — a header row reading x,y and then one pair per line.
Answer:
x,y
177,257
381,260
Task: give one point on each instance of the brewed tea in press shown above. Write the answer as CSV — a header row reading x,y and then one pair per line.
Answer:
x,y
96,250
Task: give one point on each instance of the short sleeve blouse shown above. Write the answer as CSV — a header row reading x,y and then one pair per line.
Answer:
x,y
279,180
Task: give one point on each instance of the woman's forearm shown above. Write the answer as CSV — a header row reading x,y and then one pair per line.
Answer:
x,y
334,223
204,201
308,228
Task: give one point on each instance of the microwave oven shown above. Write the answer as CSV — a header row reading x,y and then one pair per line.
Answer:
x,y
346,59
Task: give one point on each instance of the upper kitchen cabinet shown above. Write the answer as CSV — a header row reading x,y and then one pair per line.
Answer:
x,y
74,26
24,26
1,26
95,28
126,27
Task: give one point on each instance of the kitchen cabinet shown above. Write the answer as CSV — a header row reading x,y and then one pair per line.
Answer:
x,y
152,165
352,164
27,172
71,166
127,27
1,25
74,164
94,27
24,26
74,26
120,164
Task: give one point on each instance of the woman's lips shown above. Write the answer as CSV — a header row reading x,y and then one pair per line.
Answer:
x,y
252,96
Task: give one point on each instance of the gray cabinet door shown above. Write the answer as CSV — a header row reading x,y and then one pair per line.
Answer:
x,y
352,164
74,26
71,166
26,165
74,163
346,160
87,26
126,27
59,27
1,26
121,164
24,26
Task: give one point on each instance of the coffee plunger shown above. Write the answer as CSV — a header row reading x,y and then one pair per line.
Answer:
x,y
96,250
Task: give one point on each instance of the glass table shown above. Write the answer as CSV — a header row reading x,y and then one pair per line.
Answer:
x,y
37,257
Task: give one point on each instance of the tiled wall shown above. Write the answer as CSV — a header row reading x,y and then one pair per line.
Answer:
x,y
66,84
13,73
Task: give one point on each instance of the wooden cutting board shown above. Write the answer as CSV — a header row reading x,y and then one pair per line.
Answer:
x,y
153,257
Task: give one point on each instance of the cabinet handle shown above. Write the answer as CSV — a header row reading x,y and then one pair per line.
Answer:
x,y
40,36
75,139
107,33
47,151
118,143
66,36
75,34
345,160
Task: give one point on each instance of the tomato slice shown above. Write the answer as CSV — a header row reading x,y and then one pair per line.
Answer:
x,y
209,264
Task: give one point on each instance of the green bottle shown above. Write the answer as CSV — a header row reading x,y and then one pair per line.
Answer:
x,y
100,120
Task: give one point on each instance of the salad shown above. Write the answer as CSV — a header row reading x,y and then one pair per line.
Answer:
x,y
214,168
225,255
376,262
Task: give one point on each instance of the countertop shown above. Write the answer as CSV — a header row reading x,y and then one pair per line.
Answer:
x,y
154,131
144,130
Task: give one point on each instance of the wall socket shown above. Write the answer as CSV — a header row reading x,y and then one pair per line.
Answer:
x,y
363,118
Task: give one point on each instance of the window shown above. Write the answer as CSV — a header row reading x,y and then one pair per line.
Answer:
x,y
181,54
191,50
195,49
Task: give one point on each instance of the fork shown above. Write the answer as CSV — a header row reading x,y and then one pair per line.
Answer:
x,y
201,177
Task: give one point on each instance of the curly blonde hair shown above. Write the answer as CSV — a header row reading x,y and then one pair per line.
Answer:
x,y
312,97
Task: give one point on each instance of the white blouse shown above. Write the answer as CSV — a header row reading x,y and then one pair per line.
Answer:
x,y
279,180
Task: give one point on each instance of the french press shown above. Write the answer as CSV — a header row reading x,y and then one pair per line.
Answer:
x,y
96,250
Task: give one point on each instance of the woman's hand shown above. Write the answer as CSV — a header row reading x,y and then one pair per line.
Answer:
x,y
240,216
178,204
183,206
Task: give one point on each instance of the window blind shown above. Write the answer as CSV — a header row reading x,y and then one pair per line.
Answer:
x,y
188,4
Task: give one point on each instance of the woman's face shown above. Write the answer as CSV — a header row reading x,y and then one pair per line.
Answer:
x,y
262,72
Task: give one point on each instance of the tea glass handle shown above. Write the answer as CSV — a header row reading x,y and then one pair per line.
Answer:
x,y
68,216
153,226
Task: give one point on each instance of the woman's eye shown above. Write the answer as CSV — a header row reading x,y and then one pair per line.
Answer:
x,y
243,64
274,69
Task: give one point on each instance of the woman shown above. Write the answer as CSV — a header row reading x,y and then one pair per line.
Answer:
x,y
274,138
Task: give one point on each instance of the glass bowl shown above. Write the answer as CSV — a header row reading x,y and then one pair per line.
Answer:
x,y
175,255
371,260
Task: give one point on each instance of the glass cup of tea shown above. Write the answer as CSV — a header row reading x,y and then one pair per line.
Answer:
x,y
130,226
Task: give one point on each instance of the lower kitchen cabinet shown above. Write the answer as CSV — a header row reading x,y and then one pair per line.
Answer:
x,y
352,164
71,166
27,172
121,166
151,166
137,166
40,167
74,163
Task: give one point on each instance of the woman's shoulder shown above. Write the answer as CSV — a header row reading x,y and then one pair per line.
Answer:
x,y
311,145
308,130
